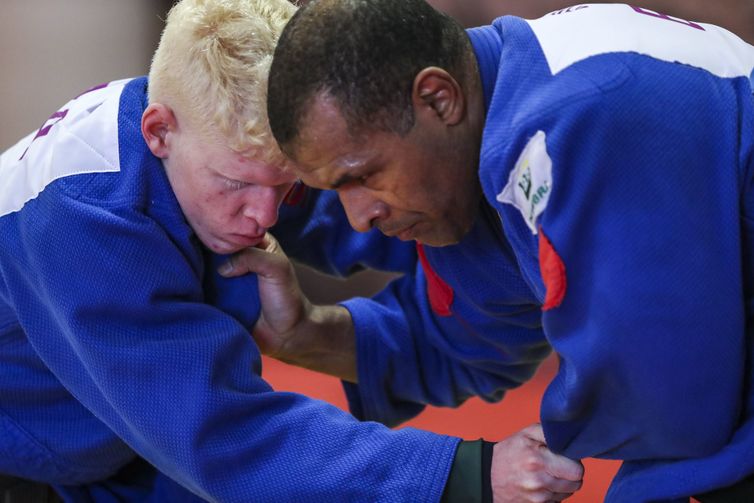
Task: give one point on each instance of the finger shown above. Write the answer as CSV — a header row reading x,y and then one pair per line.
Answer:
x,y
270,244
559,496
228,269
562,467
555,485
535,432
264,263
540,483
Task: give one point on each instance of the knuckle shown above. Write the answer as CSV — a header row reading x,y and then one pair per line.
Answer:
x,y
580,471
539,497
533,463
531,484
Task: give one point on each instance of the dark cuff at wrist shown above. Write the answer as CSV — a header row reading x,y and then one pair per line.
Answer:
x,y
487,471
469,478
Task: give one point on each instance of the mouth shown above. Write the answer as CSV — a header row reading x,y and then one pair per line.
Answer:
x,y
404,234
246,240
407,234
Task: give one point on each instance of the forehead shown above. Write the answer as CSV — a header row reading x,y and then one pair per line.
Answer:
x,y
247,166
321,121
325,141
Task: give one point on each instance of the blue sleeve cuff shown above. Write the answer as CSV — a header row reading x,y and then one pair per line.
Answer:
x,y
370,399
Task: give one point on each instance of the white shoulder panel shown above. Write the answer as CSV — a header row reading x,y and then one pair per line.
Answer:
x,y
578,32
81,137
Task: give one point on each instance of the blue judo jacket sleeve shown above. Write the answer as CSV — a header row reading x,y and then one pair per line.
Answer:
x,y
409,355
113,304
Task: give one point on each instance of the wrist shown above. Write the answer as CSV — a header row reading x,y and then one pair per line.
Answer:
x,y
324,341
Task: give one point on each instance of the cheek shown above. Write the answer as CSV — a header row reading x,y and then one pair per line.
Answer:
x,y
208,208
224,206
417,193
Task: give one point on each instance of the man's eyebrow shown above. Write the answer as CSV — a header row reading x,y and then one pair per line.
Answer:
x,y
345,178
349,165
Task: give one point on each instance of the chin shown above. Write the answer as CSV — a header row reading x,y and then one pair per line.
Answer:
x,y
221,247
437,241
448,236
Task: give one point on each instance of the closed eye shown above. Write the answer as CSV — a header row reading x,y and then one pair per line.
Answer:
x,y
235,184
363,179
349,179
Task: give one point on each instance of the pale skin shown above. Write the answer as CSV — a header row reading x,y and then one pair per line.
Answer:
x,y
322,338
229,199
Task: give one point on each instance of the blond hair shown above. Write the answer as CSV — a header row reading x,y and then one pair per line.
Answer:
x,y
211,67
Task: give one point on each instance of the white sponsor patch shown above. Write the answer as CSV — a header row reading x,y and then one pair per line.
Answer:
x,y
530,181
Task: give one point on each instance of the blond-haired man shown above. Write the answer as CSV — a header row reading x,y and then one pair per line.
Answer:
x,y
118,342
128,372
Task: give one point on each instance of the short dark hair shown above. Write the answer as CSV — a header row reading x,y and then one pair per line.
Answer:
x,y
363,53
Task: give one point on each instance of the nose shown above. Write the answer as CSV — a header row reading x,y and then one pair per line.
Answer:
x,y
363,210
262,204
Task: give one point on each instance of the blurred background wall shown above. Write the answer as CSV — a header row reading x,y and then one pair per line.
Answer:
x,y
52,50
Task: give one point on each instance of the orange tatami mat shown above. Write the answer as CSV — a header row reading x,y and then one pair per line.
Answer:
x,y
474,419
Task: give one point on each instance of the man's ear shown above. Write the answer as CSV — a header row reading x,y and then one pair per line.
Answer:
x,y
157,124
436,92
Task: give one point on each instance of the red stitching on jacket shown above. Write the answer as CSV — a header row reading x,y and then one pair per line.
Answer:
x,y
439,292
